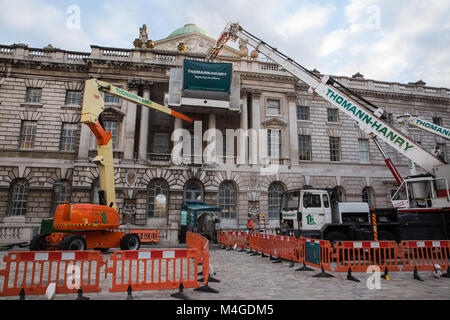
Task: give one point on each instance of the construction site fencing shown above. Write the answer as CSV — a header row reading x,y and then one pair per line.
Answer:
x,y
358,256
34,271
154,269
147,236
201,244
424,255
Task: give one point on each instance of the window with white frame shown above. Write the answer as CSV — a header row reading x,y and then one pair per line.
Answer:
x,y
33,95
157,198
273,107
274,143
333,115
18,198
275,191
363,150
73,97
303,113
111,126
335,149
68,137
110,99
228,199
304,148
27,134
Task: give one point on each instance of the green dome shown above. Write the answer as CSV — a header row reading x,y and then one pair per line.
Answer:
x,y
188,28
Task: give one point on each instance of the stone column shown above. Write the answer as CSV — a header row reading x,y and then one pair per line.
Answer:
x,y
243,144
293,132
130,123
143,133
256,124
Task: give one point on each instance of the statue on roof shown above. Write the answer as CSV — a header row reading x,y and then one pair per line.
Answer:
x,y
142,42
243,50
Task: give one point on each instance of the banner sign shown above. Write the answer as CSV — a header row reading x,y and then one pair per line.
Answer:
x,y
312,252
209,76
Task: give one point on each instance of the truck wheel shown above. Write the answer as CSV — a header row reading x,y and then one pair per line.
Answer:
x,y
73,243
130,241
38,243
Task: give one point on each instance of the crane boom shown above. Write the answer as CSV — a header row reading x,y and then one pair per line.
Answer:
x,y
368,121
427,126
93,106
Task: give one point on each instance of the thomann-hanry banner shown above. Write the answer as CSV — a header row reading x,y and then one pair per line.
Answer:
x,y
207,76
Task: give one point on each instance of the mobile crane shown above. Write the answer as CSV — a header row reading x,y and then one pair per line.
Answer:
x,y
87,226
421,204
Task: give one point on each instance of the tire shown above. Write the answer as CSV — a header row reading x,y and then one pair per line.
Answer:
x,y
73,243
38,243
130,241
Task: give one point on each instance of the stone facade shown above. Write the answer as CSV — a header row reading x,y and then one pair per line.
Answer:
x,y
138,156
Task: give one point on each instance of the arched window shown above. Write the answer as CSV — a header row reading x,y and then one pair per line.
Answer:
x,y
367,195
18,199
61,193
94,193
157,198
228,199
275,191
193,190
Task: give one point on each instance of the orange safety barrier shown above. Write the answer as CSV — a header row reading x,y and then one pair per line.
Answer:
x,y
200,243
310,256
284,247
33,271
360,255
147,235
423,255
154,269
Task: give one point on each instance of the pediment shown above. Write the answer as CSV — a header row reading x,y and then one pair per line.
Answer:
x,y
274,123
195,43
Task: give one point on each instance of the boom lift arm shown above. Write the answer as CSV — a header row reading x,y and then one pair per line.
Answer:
x,y
93,106
356,107
426,125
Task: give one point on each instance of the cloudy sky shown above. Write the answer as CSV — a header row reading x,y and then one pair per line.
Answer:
x,y
402,40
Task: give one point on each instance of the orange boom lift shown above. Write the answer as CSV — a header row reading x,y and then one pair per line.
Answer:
x,y
93,226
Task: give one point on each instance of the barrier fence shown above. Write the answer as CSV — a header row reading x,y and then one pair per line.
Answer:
x,y
354,256
147,236
33,271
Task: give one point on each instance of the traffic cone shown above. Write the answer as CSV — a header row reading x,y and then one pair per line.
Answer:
x,y
350,277
129,293
416,275
385,276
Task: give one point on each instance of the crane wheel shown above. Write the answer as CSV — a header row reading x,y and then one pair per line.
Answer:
x,y
38,243
130,241
73,243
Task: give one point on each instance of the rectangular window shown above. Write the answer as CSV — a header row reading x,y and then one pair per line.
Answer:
x,y
27,134
161,142
110,99
333,115
305,148
363,150
274,143
273,107
33,95
302,113
73,98
335,149
111,126
68,137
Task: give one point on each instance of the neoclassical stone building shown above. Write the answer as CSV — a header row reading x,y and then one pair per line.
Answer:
x,y
46,154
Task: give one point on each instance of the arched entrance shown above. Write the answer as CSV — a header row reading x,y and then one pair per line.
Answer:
x,y
193,191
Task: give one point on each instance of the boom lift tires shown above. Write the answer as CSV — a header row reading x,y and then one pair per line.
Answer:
x,y
130,241
73,243
38,243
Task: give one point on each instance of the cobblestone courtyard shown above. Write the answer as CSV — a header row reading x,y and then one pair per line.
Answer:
x,y
246,277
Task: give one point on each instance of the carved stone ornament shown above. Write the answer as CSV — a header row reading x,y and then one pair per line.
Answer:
x,y
129,211
253,180
131,177
142,42
253,208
